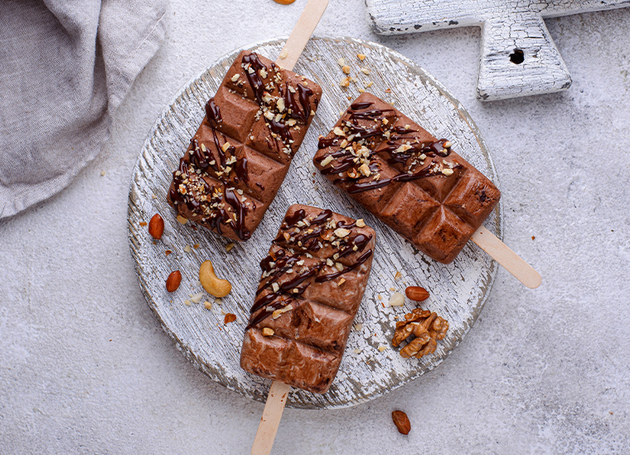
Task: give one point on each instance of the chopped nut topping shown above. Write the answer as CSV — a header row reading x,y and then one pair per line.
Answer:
x,y
447,171
365,71
360,223
342,232
267,332
361,56
207,305
181,219
345,69
326,161
235,77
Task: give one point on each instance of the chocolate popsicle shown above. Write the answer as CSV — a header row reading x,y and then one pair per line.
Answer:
x,y
310,290
414,183
242,151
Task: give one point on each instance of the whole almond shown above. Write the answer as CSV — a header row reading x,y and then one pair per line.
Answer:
x,y
173,281
156,226
417,293
401,421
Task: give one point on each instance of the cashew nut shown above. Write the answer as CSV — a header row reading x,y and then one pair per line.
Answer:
x,y
213,285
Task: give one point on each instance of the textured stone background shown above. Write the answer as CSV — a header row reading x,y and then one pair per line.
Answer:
x,y
85,368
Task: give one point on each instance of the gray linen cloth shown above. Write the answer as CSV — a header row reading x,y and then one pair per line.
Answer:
x,y
65,67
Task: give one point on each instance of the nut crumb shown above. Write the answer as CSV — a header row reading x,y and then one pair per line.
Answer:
x,y
360,223
196,246
229,317
397,276
381,348
143,223
181,219
167,252
345,69
365,70
397,299
187,249
361,56
207,305
229,246
267,332
187,302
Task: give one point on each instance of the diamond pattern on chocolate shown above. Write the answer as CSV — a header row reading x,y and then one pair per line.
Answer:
x,y
414,183
310,290
253,127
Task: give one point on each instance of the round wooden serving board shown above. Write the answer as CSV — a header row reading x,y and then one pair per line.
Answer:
x,y
458,290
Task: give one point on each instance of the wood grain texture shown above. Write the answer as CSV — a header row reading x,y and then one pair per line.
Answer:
x,y
508,27
458,290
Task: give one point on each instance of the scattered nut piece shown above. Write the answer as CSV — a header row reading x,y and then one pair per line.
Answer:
x,y
345,82
341,62
356,350
285,53
267,332
417,293
181,219
397,277
167,252
207,305
397,299
187,302
361,56
196,298
173,281
360,222
213,285
365,71
427,328
345,69
229,317
358,327
402,422
229,246
187,249
381,348
196,246
143,223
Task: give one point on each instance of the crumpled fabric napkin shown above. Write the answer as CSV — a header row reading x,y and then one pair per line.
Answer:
x,y
65,67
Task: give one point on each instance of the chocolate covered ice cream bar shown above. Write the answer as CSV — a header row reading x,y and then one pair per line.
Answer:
x,y
242,151
411,181
311,287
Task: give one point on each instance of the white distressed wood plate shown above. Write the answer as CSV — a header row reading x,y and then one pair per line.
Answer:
x,y
458,290
518,56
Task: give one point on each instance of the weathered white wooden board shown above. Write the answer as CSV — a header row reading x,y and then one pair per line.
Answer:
x,y
458,290
518,56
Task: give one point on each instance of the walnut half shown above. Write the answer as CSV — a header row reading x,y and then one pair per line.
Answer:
x,y
426,327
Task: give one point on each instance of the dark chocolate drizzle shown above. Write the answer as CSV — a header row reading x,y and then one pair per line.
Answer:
x,y
214,209
283,260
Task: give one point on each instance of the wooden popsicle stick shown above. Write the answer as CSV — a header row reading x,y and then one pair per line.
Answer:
x,y
270,419
511,261
301,33
277,398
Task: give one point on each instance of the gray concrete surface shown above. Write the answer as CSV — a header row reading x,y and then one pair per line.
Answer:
x,y
85,368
